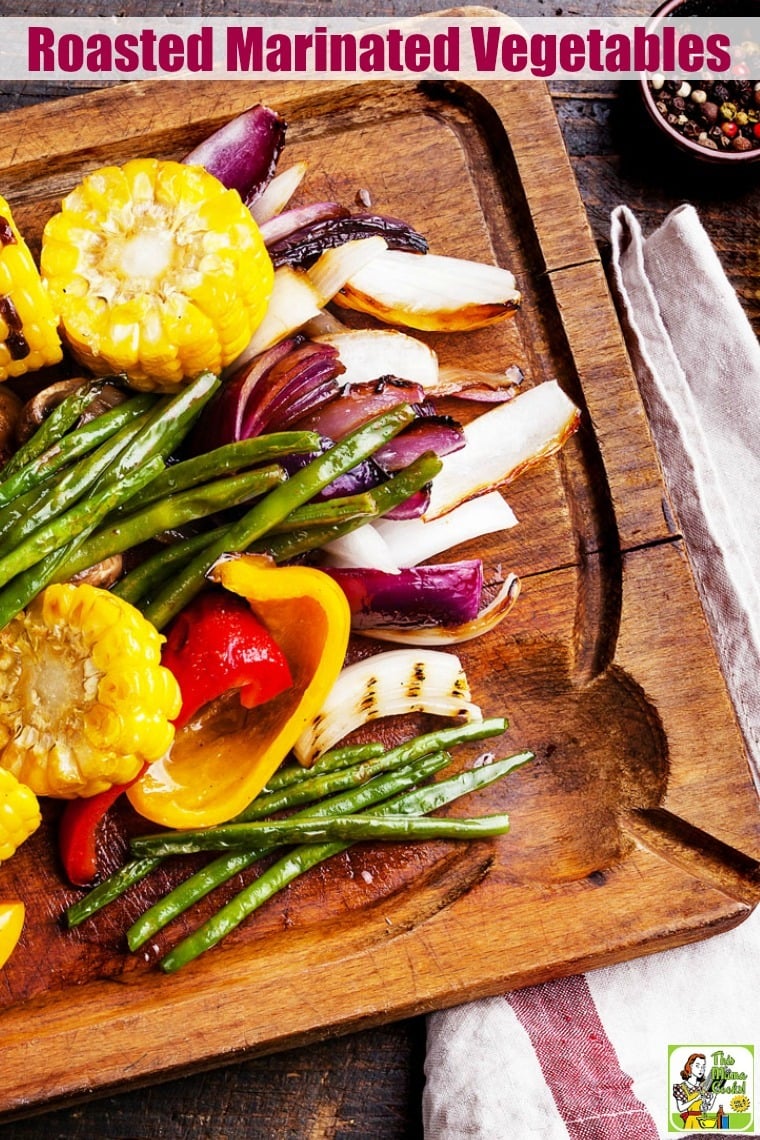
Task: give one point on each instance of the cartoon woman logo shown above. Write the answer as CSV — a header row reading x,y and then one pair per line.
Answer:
x,y
693,1096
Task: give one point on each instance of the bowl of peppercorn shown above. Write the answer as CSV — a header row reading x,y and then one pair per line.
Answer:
x,y
715,120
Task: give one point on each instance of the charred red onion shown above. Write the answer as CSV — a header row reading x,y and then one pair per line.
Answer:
x,y
441,434
292,221
448,594
357,403
304,245
296,373
243,153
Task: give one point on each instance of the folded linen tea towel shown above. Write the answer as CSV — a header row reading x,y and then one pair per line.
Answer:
x,y
582,1057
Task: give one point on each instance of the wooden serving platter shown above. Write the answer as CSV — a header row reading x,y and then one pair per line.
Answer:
x,y
635,829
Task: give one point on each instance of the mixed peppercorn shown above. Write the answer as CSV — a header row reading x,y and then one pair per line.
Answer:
x,y
722,115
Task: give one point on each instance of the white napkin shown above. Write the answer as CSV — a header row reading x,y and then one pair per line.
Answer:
x,y
586,1057
698,366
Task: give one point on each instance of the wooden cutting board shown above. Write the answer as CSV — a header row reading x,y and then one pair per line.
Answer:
x,y
635,829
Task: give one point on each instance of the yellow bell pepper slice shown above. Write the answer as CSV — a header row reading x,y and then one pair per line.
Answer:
x,y
224,757
12,916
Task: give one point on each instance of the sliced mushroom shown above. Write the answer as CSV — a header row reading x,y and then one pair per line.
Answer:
x,y
10,412
40,406
102,574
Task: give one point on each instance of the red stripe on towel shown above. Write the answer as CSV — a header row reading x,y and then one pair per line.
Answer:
x,y
592,1093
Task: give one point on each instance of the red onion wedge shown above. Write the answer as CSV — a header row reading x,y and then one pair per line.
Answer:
x,y
413,507
299,218
409,542
472,384
441,434
503,442
271,391
243,153
431,292
357,403
421,596
299,381
223,421
452,634
393,683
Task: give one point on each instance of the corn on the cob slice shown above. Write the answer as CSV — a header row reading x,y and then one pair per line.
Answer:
x,y
86,701
28,325
19,814
157,271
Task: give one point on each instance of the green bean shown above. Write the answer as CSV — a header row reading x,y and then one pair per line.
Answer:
x,y
174,511
110,889
229,459
317,785
331,512
265,834
84,515
136,869
226,866
272,509
26,585
55,425
156,568
397,489
335,759
22,507
79,442
300,859
169,423
72,484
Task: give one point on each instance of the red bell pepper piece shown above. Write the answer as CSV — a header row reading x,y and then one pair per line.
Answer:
x,y
78,833
216,644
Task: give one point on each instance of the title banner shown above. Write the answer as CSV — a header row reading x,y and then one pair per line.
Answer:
x,y
434,47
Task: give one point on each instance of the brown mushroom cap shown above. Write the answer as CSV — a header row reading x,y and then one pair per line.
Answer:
x,y
39,406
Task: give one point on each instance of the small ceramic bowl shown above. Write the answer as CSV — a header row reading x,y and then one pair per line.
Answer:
x,y
713,151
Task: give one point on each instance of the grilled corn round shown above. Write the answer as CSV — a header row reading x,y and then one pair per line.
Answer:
x,y
28,325
157,271
86,701
19,814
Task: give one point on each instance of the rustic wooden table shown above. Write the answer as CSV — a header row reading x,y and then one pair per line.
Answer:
x,y
369,1084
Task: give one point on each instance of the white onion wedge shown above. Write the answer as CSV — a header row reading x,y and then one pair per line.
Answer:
x,y
364,547
334,267
275,197
503,442
487,619
411,541
431,292
294,301
326,324
367,354
389,684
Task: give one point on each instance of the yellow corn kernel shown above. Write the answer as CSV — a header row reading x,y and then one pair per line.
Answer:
x,y
71,724
19,814
158,272
28,325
